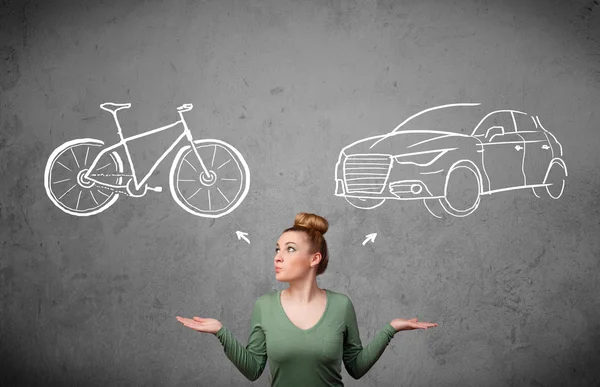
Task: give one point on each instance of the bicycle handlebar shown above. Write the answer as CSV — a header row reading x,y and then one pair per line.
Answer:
x,y
185,107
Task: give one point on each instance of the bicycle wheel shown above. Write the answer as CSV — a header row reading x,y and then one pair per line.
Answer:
x,y
64,177
212,195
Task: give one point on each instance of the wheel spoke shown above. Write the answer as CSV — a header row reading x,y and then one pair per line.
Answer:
x,y
191,165
99,169
91,193
64,166
86,156
75,157
105,194
198,190
186,180
74,185
209,205
223,164
60,181
223,195
78,198
229,179
213,159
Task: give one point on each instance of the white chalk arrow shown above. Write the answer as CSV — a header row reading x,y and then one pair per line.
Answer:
x,y
242,235
370,237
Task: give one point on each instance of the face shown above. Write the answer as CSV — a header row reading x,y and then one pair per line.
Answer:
x,y
293,257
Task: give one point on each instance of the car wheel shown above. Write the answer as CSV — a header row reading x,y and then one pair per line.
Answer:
x,y
462,190
364,203
555,181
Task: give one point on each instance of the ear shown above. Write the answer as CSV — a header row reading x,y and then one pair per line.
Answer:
x,y
316,259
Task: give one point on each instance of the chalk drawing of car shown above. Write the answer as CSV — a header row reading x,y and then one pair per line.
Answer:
x,y
427,158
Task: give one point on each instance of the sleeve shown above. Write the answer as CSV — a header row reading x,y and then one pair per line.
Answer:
x,y
359,360
250,360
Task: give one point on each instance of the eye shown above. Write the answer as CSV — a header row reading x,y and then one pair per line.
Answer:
x,y
290,249
276,250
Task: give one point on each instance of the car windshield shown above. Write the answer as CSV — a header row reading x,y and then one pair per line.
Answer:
x,y
458,118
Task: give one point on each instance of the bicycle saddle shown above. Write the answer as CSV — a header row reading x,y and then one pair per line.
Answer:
x,y
186,107
114,107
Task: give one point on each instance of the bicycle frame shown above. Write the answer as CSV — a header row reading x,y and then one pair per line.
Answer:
x,y
123,142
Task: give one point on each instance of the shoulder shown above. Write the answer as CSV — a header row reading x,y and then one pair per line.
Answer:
x,y
267,298
339,298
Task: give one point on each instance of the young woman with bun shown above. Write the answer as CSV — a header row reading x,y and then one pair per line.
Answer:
x,y
304,331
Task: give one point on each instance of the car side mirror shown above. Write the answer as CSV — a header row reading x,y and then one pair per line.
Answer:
x,y
493,131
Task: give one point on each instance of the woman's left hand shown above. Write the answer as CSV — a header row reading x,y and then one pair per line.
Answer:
x,y
401,324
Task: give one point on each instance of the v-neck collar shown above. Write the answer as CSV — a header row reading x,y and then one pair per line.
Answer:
x,y
327,299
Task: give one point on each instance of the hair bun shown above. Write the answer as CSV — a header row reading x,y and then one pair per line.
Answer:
x,y
312,221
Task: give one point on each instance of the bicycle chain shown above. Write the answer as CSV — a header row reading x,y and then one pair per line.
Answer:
x,y
113,175
115,190
110,174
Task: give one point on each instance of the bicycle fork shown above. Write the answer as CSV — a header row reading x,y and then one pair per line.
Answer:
x,y
207,176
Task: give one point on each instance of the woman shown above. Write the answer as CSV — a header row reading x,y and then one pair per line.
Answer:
x,y
303,330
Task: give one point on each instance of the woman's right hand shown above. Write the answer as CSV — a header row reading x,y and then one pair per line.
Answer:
x,y
207,325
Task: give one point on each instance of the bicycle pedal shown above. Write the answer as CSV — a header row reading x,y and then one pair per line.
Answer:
x,y
155,189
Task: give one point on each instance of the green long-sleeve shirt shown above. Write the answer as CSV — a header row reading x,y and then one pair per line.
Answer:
x,y
304,358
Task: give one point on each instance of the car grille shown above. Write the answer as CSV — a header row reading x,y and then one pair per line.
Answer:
x,y
366,173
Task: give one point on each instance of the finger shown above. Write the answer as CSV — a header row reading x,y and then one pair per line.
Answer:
x,y
413,320
192,326
190,323
198,318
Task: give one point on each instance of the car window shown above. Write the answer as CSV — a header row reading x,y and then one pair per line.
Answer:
x,y
525,123
446,119
494,123
505,138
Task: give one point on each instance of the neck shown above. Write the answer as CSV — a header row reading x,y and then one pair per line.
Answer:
x,y
303,293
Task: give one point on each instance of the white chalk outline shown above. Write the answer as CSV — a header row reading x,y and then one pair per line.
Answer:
x,y
370,172
242,235
370,238
207,177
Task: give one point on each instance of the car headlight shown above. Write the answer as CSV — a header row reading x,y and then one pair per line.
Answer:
x,y
422,159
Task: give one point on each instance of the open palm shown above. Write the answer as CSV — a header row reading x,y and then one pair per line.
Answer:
x,y
401,324
208,325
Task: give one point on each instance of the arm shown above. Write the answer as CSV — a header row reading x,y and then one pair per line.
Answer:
x,y
359,360
250,360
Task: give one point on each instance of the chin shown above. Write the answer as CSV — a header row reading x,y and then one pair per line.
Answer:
x,y
279,278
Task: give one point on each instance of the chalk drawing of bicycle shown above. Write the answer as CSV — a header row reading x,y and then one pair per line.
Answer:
x,y
208,178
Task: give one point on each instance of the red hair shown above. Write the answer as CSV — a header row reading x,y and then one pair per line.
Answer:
x,y
314,226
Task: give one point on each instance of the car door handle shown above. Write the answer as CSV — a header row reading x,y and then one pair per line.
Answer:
x,y
518,147
545,147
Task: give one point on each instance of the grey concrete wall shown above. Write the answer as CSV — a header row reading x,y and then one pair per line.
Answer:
x,y
92,300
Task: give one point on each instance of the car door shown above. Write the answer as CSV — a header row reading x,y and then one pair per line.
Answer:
x,y
538,152
503,152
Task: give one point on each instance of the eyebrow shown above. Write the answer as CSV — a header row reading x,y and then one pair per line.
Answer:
x,y
287,243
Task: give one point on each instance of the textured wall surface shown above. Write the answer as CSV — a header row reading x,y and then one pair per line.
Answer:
x,y
92,300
